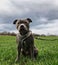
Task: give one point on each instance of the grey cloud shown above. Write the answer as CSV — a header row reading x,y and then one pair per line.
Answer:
x,y
29,8
36,10
7,27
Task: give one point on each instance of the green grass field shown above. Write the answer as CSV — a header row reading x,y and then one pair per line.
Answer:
x,y
47,52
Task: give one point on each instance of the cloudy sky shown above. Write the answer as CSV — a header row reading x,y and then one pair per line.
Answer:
x,y
44,14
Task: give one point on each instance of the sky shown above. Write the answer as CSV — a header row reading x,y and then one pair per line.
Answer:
x,y
43,13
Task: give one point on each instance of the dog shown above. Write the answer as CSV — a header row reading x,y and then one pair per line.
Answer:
x,y
25,39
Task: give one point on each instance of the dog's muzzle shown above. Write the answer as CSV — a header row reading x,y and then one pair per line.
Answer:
x,y
22,27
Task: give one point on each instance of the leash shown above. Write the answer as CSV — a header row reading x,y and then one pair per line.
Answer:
x,y
38,38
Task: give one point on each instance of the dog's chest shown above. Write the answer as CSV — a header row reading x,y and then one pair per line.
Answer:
x,y
25,45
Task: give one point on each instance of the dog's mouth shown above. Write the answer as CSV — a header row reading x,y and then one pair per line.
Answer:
x,y
23,31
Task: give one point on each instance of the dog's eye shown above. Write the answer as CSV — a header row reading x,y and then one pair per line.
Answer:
x,y
25,22
18,22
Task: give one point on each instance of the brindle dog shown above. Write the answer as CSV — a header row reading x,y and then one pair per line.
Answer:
x,y
25,39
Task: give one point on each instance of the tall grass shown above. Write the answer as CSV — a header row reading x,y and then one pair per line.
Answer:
x,y
47,52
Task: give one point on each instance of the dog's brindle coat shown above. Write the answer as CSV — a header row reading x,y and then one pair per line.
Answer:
x,y
25,40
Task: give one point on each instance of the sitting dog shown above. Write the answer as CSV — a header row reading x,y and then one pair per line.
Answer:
x,y
25,39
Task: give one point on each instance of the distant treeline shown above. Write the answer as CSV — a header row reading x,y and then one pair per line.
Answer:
x,y
8,33
14,34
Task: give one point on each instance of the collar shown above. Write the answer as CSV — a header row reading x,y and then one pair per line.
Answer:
x,y
23,37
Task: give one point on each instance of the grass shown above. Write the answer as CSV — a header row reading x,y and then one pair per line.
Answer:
x,y
47,52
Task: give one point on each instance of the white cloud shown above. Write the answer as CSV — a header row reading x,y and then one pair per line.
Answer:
x,y
26,5
6,7
42,19
6,27
50,28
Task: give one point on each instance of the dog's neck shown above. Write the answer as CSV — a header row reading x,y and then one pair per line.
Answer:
x,y
23,32
26,35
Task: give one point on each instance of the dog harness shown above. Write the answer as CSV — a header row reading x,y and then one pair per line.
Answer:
x,y
23,38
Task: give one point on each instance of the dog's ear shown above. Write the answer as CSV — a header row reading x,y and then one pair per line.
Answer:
x,y
29,19
15,21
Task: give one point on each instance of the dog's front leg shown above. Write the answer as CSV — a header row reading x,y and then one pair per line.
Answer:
x,y
18,53
32,53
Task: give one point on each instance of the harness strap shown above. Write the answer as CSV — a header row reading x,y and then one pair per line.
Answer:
x,y
25,37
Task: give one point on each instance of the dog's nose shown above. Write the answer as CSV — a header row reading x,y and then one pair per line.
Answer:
x,y
22,26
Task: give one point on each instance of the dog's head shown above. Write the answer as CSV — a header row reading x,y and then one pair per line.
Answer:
x,y
22,25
